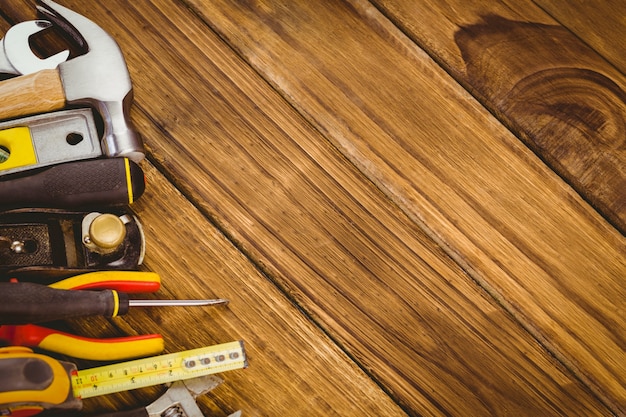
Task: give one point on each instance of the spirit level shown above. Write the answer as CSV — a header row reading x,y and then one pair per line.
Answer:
x,y
48,139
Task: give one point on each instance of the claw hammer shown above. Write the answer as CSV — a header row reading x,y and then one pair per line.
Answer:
x,y
98,78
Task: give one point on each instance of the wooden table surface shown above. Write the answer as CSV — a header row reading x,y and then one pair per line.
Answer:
x,y
415,207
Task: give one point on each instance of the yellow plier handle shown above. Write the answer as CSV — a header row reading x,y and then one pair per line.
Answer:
x,y
108,349
124,281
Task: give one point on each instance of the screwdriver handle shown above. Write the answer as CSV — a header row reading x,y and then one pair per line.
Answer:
x,y
93,182
27,302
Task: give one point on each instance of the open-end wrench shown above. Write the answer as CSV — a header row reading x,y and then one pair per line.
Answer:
x,y
16,56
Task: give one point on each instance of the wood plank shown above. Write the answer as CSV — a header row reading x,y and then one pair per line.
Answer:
x,y
348,256
518,230
254,169
290,201
560,96
289,357
599,24
412,319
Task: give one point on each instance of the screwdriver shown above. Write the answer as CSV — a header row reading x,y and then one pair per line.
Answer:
x,y
94,182
27,302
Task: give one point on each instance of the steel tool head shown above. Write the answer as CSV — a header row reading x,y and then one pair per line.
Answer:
x,y
181,397
17,51
99,78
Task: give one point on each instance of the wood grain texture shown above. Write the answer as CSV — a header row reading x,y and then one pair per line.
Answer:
x,y
39,92
289,357
601,25
361,268
559,95
363,265
513,225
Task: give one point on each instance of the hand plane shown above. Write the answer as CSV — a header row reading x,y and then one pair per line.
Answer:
x,y
54,243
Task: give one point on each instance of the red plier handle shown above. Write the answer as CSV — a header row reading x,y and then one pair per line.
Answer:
x,y
118,348
80,347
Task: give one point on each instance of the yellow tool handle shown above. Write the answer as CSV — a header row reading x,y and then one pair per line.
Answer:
x,y
125,281
39,92
111,349
34,382
108,349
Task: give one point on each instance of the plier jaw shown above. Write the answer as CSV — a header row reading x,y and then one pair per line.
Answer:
x,y
108,349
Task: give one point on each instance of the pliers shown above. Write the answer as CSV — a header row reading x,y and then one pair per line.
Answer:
x,y
34,336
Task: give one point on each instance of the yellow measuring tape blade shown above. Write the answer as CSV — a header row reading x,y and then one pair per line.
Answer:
x,y
157,370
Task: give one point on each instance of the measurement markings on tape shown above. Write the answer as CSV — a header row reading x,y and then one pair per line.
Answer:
x,y
161,369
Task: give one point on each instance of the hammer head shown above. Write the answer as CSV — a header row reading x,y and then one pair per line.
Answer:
x,y
98,78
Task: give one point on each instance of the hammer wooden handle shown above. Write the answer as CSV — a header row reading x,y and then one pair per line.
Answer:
x,y
39,92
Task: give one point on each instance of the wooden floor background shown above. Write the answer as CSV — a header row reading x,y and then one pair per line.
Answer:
x,y
415,207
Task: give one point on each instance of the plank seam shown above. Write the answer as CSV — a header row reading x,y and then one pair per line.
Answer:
x,y
608,61
162,169
551,349
507,122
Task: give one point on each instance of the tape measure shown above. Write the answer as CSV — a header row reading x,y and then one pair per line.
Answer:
x,y
157,370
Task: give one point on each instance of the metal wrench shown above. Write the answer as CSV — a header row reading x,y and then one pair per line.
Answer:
x,y
16,56
178,401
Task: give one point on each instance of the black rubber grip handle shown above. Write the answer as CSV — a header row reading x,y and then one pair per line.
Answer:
x,y
27,302
88,183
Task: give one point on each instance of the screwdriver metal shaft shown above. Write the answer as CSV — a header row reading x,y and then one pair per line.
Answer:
x,y
176,303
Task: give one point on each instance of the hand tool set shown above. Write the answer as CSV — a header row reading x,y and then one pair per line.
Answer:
x,y
57,384
69,244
